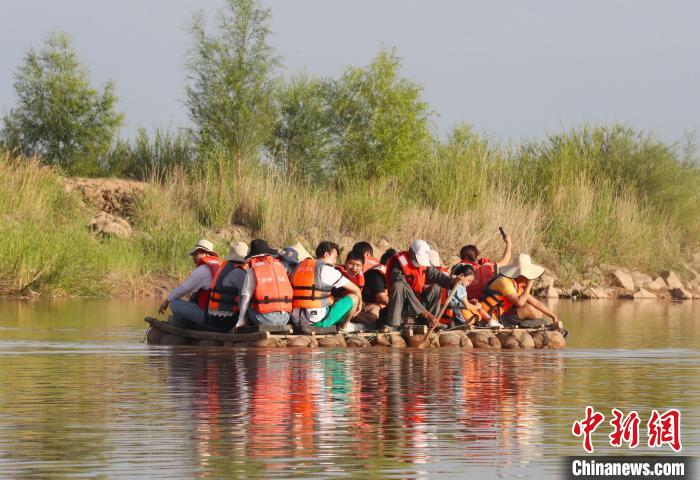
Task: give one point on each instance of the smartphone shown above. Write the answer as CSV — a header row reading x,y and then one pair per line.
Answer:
x,y
503,233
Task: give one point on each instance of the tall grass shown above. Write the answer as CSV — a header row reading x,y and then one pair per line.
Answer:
x,y
575,201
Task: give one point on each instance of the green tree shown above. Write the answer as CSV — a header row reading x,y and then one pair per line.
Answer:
x,y
381,124
59,116
231,91
301,136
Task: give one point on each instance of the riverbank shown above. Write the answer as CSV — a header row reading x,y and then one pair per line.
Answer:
x,y
66,236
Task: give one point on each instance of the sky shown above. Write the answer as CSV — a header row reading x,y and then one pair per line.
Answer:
x,y
516,70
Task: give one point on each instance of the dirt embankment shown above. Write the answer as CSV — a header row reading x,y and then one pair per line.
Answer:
x,y
113,202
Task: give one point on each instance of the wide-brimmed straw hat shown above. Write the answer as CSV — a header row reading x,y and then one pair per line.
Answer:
x,y
522,266
237,252
204,245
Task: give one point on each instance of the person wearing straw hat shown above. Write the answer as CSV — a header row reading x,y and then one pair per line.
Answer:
x,y
507,297
266,288
224,300
190,314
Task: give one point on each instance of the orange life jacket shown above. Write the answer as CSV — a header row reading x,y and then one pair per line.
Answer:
x,y
201,296
308,290
358,279
494,302
273,292
415,276
484,271
225,298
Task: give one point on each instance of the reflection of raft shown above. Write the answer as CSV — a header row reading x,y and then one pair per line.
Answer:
x,y
162,333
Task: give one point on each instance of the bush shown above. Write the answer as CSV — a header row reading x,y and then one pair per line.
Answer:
x,y
59,117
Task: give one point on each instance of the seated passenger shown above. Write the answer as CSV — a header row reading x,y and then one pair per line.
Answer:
x,y
224,299
312,282
353,267
266,288
463,310
507,297
485,269
375,297
190,314
414,285
366,249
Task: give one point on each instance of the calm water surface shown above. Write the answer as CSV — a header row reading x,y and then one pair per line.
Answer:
x,y
82,396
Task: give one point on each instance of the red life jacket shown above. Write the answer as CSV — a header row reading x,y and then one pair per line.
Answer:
x,y
273,292
225,298
371,262
201,296
309,291
358,279
484,271
415,276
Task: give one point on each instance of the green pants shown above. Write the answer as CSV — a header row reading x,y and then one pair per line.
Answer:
x,y
336,313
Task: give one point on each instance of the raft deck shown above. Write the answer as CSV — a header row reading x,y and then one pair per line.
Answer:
x,y
163,333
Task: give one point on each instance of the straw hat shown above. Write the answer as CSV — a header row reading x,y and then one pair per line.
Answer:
x,y
205,245
522,266
434,257
237,252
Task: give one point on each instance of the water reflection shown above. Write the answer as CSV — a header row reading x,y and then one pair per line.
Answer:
x,y
332,410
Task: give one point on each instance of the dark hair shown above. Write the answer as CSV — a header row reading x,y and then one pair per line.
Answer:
x,y
387,255
363,248
469,252
355,255
464,270
326,247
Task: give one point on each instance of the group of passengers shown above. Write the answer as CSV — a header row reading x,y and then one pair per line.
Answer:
x,y
260,285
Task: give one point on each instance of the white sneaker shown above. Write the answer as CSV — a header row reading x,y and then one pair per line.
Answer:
x,y
494,324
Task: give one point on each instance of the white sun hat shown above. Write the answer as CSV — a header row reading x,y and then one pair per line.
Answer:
x,y
522,266
238,252
421,250
435,260
205,245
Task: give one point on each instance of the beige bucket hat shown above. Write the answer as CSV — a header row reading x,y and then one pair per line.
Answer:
x,y
522,265
205,245
237,252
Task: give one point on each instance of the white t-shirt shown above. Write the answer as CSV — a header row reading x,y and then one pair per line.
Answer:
x,y
330,277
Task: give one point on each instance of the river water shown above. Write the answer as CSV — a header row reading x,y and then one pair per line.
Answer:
x,y
82,396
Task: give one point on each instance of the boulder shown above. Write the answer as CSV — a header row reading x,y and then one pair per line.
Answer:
x,y
301,341
623,279
516,340
598,292
624,294
546,281
484,339
672,280
642,294
655,285
548,340
451,339
549,292
640,279
388,340
681,294
106,224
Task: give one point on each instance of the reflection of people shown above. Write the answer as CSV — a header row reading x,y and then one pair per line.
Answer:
x,y
190,314
507,297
